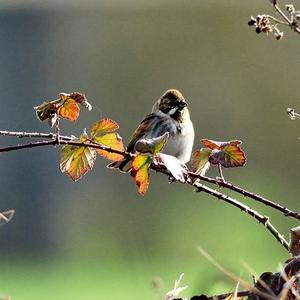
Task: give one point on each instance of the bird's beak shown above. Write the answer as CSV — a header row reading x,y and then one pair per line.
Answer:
x,y
182,105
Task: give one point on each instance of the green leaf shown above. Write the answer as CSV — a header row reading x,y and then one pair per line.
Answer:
x,y
140,171
76,161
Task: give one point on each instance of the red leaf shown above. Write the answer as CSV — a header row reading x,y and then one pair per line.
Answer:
x,y
228,154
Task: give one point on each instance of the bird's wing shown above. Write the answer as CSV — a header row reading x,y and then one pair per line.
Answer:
x,y
149,127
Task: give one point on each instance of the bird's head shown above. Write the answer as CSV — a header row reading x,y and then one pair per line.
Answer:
x,y
171,103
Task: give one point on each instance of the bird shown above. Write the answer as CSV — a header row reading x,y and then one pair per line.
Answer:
x,y
169,114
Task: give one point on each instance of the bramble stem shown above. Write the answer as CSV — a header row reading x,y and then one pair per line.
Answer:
x,y
70,140
225,184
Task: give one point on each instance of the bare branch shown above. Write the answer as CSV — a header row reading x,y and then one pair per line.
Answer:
x,y
287,212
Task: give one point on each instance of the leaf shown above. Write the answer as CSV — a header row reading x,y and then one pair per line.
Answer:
x,y
77,160
140,171
200,161
104,126
154,145
103,132
177,169
113,141
228,154
47,111
69,110
66,106
78,98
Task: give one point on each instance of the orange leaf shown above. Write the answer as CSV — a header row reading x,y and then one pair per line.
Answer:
x,y
77,160
140,171
66,106
113,141
210,144
77,97
104,126
103,133
69,110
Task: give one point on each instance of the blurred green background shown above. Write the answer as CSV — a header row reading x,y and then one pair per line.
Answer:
x,y
97,238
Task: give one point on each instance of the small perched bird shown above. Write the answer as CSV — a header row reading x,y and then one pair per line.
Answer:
x,y
169,114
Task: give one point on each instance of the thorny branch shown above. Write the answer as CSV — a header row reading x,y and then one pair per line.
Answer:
x,y
70,140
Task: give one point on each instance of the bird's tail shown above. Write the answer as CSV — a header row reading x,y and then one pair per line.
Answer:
x,y
123,165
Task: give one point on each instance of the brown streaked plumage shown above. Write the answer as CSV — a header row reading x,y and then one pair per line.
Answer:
x,y
169,114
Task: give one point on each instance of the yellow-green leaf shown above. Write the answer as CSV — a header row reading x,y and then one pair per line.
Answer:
x,y
152,145
77,160
113,141
200,161
103,133
140,171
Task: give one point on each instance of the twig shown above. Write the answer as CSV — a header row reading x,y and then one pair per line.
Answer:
x,y
57,129
64,140
22,134
70,140
287,212
6,216
293,25
28,145
260,218
290,23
